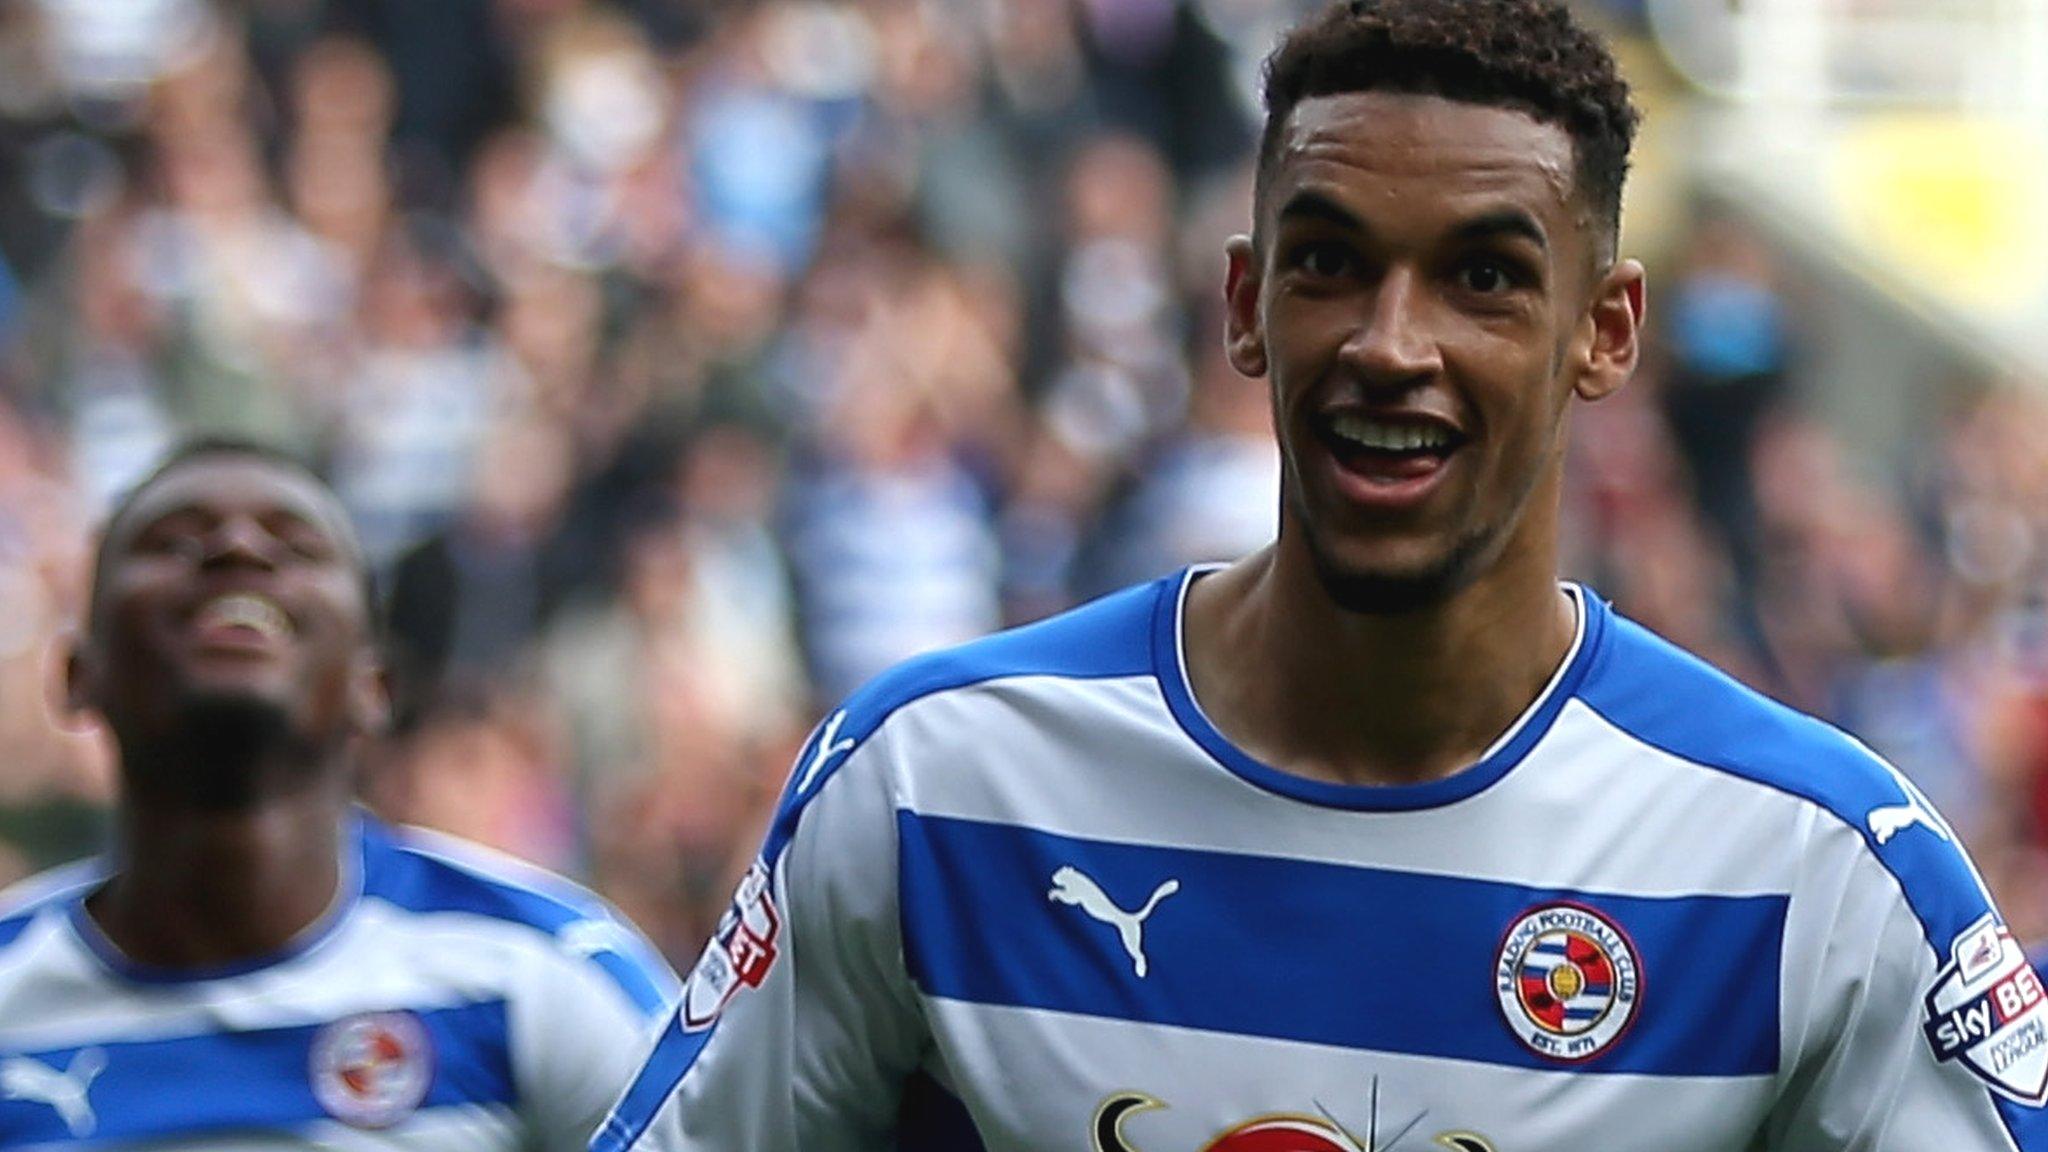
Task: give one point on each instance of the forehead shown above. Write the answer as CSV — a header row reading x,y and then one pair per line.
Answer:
x,y
226,486
1424,150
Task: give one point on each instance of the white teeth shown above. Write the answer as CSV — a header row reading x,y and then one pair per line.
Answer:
x,y
246,610
1368,433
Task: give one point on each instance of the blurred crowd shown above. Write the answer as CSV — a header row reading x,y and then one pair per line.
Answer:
x,y
684,364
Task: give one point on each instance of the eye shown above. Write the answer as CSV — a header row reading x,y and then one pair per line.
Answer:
x,y
304,540
307,545
1484,277
1489,276
168,538
1323,259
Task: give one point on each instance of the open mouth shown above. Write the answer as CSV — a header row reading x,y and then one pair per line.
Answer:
x,y
240,619
1389,450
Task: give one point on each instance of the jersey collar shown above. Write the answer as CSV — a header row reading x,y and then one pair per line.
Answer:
x,y
1169,660
346,896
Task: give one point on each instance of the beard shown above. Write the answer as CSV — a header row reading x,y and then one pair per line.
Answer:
x,y
1381,593
221,752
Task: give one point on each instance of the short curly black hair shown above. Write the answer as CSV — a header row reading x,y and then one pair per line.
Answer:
x,y
1529,55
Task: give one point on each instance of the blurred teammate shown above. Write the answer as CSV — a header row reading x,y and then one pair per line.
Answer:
x,y
257,963
1380,838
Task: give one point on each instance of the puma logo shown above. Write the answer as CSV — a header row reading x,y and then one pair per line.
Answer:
x,y
829,745
1892,819
1072,886
22,1078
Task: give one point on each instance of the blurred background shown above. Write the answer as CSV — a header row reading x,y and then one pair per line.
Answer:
x,y
684,363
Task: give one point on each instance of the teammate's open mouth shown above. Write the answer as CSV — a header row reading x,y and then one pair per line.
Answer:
x,y
241,620
1388,450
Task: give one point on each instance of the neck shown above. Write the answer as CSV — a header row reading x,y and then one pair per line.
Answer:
x,y
1311,688
202,887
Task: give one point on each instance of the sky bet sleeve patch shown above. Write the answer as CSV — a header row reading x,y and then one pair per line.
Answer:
x,y
1987,1010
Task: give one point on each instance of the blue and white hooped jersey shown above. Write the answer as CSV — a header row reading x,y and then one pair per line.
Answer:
x,y
1024,896
454,999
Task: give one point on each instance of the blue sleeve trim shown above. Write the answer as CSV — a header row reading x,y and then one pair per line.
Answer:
x,y
1673,701
1104,639
671,1059
407,871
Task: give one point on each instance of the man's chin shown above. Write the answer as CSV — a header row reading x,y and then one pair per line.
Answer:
x,y
1384,589
222,742
225,712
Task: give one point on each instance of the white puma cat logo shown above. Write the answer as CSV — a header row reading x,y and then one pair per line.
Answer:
x,y
22,1078
1072,886
1892,819
828,747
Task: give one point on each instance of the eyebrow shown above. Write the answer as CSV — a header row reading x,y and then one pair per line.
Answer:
x,y
149,521
1505,222
1318,207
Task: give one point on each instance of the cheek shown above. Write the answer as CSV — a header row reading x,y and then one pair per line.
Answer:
x,y
1301,338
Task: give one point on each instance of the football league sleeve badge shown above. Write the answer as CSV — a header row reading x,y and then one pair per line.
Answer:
x,y
739,954
1988,1012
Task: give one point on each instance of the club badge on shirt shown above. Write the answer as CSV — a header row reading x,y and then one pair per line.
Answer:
x,y
1568,981
373,1069
1987,1010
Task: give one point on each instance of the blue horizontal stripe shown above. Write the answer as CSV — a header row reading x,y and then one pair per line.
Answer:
x,y
252,1081
1318,953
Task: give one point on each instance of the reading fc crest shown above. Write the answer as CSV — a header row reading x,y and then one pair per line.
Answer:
x,y
1568,981
372,1070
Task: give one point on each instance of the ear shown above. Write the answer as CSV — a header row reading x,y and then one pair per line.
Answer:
x,y
369,694
81,680
1615,344
1244,337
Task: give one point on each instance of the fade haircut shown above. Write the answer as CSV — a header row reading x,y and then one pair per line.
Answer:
x,y
1527,55
216,448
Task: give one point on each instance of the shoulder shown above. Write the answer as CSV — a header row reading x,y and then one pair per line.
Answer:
x,y
1668,698
1107,638
21,903
422,872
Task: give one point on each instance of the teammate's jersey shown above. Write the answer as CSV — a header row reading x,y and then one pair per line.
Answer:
x,y
1023,896
454,999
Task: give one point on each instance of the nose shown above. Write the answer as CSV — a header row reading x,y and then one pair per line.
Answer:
x,y
1395,345
238,541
